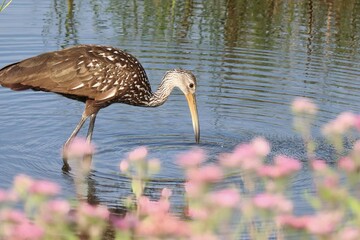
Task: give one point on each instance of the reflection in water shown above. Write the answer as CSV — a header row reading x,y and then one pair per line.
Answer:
x,y
310,32
70,24
251,59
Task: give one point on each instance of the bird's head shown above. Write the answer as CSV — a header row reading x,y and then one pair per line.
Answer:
x,y
186,82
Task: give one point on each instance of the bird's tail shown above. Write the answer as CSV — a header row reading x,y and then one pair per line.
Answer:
x,y
6,81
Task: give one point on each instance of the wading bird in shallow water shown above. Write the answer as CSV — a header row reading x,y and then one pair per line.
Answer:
x,y
98,76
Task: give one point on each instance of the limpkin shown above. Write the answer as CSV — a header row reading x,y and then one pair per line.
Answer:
x,y
98,76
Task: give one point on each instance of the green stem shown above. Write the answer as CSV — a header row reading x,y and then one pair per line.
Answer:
x,y
4,5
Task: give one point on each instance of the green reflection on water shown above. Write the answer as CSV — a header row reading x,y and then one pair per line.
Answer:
x,y
230,23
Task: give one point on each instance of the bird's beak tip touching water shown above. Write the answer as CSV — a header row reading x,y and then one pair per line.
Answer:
x,y
191,99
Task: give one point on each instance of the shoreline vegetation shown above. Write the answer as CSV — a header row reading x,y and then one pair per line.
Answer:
x,y
260,207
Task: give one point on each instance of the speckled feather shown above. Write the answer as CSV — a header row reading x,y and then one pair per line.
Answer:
x,y
98,76
104,74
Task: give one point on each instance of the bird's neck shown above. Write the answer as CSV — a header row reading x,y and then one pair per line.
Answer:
x,y
162,93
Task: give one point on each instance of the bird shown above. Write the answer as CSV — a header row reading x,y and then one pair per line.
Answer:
x,y
98,76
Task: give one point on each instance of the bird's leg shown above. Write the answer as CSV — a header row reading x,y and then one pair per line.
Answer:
x,y
76,130
87,158
91,127
66,166
90,110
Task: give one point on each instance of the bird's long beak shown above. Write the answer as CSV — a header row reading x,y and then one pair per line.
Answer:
x,y
194,115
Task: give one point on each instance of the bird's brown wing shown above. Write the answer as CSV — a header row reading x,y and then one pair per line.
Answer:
x,y
83,72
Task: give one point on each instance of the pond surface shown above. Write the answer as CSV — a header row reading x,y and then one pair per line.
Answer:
x,y
251,59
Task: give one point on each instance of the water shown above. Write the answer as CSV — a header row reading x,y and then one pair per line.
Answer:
x,y
251,58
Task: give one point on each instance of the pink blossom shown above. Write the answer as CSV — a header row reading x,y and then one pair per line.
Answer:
x,y
157,221
13,216
44,188
89,210
270,171
346,119
244,156
198,213
27,231
296,222
347,164
319,165
341,124
148,207
79,147
228,198
331,181
270,201
229,160
130,221
22,183
246,151
166,193
163,227
124,166
261,146
287,164
265,200
137,154
193,189
283,166
61,207
205,174
349,233
304,105
7,196
323,223
191,158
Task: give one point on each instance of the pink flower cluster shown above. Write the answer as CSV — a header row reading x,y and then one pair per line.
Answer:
x,y
351,163
228,198
303,105
78,147
248,156
7,196
15,225
192,158
200,180
342,124
46,217
273,202
25,185
138,154
154,219
210,206
92,220
320,224
283,167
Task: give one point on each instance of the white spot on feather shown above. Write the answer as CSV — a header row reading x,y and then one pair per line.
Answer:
x,y
111,58
95,85
78,86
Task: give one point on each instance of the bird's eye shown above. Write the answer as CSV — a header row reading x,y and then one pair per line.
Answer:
x,y
191,85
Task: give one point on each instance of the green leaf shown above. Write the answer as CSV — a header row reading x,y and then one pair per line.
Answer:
x,y
354,205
